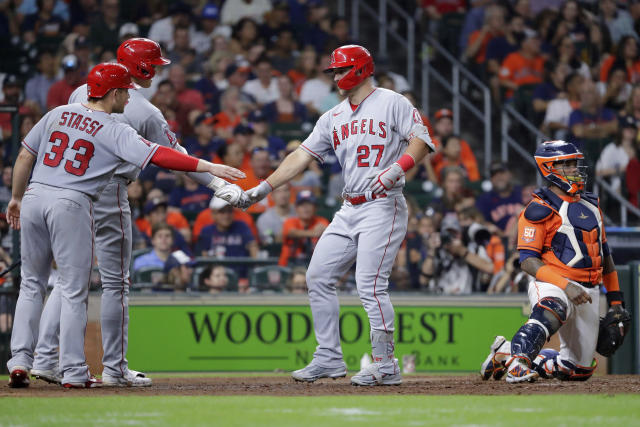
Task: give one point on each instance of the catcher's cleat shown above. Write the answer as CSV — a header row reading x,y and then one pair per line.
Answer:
x,y
92,382
518,371
49,375
372,375
313,372
493,365
130,379
19,377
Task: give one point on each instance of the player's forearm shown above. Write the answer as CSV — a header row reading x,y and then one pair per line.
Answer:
x,y
21,173
291,166
417,149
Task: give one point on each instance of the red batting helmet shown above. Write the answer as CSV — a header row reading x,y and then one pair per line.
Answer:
x,y
106,76
353,56
139,55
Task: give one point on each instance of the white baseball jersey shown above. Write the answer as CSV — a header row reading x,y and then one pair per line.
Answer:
x,y
141,115
79,148
372,137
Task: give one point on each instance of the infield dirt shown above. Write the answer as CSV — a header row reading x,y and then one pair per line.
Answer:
x,y
284,386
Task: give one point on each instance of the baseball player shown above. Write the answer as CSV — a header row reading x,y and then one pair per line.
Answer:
x,y
74,151
113,228
563,244
377,135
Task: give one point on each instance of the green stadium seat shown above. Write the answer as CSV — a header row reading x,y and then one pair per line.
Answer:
x,y
147,277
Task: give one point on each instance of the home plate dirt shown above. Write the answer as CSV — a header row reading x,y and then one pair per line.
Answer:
x,y
285,386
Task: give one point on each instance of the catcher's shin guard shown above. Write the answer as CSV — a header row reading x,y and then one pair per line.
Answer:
x,y
549,364
546,318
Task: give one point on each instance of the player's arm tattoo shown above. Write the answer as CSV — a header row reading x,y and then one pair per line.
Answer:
x,y
608,265
531,265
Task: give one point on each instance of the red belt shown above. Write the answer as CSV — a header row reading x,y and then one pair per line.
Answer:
x,y
358,200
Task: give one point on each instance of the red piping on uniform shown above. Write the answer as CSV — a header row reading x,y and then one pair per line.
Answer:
x,y
374,89
312,152
84,334
122,288
29,148
395,212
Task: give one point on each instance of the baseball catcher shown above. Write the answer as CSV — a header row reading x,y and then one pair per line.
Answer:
x,y
562,243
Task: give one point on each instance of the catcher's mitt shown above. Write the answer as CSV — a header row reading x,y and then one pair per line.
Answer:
x,y
613,328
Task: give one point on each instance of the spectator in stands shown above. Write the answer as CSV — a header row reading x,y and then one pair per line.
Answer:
x,y
617,20
591,123
38,86
12,92
503,203
499,48
627,56
203,144
478,235
206,218
44,26
189,198
285,109
315,31
60,91
523,67
275,20
616,91
263,138
104,34
283,52
244,36
227,237
598,48
214,279
190,99
260,169
417,247
493,26
6,185
455,195
632,108
297,284
304,69
450,155
317,93
556,119
301,233
230,115
234,12
449,265
270,222
549,89
572,21
175,112
179,271
566,54
162,243
182,53
214,81
474,19
613,160
210,27
632,177
339,35
137,197
264,88
155,211
179,16
445,20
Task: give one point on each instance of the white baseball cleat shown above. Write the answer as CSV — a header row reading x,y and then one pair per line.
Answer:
x,y
493,365
49,375
131,379
372,375
313,372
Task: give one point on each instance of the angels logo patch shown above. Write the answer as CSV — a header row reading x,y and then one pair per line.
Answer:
x,y
416,116
528,234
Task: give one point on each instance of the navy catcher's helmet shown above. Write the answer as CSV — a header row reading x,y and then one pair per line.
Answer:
x,y
549,154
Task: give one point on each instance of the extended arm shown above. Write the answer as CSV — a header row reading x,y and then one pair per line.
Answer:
x,y
171,159
21,173
542,272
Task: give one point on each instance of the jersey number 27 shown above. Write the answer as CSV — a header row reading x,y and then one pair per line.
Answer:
x,y
364,152
83,148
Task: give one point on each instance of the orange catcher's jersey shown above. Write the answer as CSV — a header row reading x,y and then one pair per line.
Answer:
x,y
371,137
79,148
567,232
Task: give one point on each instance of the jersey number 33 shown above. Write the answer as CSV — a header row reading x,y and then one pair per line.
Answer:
x,y
60,143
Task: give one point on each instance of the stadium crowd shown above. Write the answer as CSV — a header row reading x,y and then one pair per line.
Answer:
x,y
246,85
